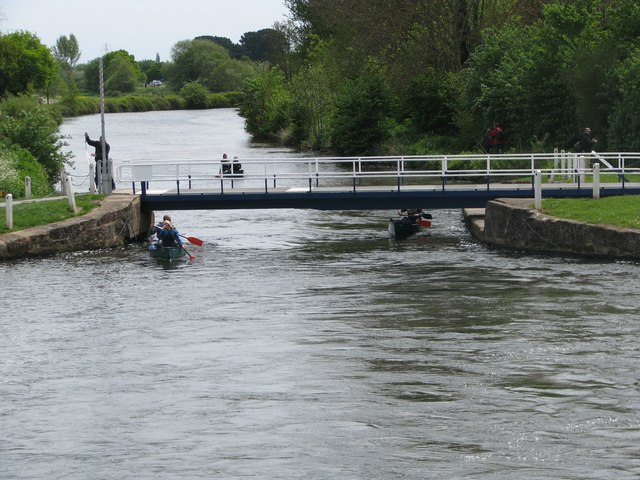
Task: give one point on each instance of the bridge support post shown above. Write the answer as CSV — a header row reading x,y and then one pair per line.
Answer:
x,y
537,189
596,180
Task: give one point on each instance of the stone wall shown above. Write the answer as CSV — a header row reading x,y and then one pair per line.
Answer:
x,y
513,224
119,220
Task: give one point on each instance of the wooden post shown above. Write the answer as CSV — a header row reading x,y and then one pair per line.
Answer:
x,y
68,188
92,177
27,187
9,210
538,189
596,180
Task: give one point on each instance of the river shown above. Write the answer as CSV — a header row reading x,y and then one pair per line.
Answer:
x,y
307,344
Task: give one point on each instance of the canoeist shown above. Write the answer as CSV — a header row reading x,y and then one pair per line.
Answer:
x,y
411,215
154,229
168,236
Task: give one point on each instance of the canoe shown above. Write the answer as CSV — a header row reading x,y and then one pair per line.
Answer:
x,y
166,253
407,226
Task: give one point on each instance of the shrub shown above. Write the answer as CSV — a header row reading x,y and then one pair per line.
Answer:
x,y
16,164
195,95
34,127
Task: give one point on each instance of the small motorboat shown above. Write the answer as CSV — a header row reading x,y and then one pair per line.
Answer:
x,y
409,223
166,253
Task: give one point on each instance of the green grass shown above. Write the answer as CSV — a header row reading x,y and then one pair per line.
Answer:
x,y
27,215
619,211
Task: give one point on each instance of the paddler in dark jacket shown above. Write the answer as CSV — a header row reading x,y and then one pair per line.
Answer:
x,y
168,236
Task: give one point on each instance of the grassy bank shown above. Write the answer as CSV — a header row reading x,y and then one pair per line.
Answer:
x,y
619,211
32,214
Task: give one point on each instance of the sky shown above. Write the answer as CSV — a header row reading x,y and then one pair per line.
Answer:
x,y
143,28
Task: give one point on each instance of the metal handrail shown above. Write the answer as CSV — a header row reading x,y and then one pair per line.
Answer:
x,y
316,171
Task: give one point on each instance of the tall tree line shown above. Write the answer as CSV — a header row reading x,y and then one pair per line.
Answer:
x,y
433,75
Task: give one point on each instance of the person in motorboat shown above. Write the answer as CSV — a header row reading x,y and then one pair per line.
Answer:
x,y
410,215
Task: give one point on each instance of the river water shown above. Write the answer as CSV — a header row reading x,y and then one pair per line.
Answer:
x,y
307,344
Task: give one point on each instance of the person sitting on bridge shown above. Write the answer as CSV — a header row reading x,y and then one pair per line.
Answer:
x,y
226,165
237,166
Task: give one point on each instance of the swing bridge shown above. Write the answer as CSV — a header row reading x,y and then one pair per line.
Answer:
x,y
372,183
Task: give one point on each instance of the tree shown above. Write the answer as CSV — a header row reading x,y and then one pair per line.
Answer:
x,y
263,46
67,53
121,73
265,103
625,122
207,63
313,98
235,50
152,70
361,119
26,65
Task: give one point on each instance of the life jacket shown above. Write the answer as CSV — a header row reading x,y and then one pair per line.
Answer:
x,y
168,239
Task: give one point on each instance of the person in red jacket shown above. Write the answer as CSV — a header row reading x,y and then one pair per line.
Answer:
x,y
497,136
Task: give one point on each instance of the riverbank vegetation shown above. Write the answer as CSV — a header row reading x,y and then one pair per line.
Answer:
x,y
33,214
430,77
344,77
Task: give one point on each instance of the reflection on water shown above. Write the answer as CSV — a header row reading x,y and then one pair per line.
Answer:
x,y
307,344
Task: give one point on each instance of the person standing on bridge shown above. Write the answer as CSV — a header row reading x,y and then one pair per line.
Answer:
x,y
586,143
487,141
497,138
97,145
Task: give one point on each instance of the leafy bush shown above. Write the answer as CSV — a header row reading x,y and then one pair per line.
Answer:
x,y
34,127
195,95
223,100
16,164
8,170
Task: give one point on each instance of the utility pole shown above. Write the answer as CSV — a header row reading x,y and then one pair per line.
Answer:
x,y
104,170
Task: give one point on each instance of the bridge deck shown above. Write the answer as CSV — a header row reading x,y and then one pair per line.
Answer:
x,y
365,198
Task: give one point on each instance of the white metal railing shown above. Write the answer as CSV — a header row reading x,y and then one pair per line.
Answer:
x,y
310,172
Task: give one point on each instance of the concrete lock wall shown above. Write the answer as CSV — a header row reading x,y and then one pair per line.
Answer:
x,y
117,221
513,224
